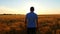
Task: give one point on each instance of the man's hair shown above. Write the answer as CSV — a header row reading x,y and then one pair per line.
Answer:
x,y
32,9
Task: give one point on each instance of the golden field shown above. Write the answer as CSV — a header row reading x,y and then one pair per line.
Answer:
x,y
14,24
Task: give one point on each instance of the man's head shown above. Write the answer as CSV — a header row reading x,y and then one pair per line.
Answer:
x,y
32,9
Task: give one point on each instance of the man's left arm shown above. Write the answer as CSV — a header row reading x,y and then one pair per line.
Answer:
x,y
25,20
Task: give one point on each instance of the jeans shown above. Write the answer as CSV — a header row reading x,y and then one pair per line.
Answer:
x,y
31,30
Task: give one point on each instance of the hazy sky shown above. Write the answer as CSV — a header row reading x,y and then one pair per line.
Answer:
x,y
23,6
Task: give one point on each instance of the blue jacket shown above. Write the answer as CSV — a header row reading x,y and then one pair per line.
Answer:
x,y
31,20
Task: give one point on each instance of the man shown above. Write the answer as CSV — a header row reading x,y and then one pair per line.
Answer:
x,y
31,21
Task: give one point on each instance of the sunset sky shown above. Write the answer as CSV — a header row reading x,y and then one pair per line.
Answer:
x,y
23,6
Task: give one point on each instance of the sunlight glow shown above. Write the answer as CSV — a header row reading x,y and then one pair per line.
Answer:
x,y
27,6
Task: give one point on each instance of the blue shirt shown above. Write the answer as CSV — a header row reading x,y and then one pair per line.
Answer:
x,y
31,20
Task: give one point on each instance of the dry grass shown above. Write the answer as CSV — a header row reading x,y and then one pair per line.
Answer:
x,y
15,23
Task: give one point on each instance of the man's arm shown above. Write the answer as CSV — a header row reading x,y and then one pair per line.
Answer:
x,y
25,21
37,22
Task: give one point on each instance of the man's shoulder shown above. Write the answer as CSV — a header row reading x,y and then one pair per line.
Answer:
x,y
27,13
31,14
35,14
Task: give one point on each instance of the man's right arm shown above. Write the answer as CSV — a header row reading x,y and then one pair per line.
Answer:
x,y
37,21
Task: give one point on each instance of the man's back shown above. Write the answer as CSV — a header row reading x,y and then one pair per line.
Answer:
x,y
31,20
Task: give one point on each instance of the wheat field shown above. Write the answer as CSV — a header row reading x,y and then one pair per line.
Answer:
x,y
14,24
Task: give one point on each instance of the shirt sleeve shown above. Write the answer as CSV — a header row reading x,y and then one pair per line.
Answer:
x,y
36,16
26,16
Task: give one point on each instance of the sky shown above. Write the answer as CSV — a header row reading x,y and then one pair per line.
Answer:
x,y
23,6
